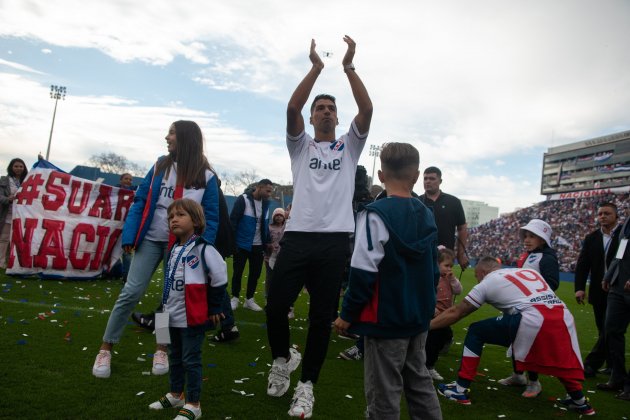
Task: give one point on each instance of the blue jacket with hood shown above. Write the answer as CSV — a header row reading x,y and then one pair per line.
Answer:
x,y
391,294
243,218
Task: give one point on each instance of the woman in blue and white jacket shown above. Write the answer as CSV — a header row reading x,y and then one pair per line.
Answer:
x,y
183,173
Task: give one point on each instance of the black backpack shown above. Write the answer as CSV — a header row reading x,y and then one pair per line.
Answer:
x,y
225,242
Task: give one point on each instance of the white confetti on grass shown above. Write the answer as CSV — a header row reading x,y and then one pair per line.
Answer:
x,y
348,396
140,393
141,359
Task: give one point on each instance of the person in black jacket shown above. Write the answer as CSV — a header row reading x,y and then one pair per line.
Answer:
x,y
617,283
595,256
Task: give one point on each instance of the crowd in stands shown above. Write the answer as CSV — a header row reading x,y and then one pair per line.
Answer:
x,y
570,219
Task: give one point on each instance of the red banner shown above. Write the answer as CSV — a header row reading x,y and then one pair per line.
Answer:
x,y
65,226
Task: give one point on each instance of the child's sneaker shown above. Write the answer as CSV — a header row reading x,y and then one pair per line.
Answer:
x,y
226,335
352,353
532,389
303,401
188,412
435,375
167,401
585,409
450,392
515,379
160,363
280,374
102,364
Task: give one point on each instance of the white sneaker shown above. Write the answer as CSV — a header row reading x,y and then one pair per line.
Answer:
x,y
514,380
188,412
303,400
252,305
279,378
160,363
102,364
167,401
234,303
435,375
532,389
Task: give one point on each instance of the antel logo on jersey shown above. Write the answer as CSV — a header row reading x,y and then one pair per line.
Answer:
x,y
192,261
334,165
337,146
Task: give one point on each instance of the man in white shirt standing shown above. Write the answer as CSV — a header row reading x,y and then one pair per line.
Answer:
x,y
316,239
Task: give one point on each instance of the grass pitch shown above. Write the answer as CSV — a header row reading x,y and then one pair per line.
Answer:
x,y
50,332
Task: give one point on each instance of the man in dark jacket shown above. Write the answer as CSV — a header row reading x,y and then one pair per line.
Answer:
x,y
617,283
596,255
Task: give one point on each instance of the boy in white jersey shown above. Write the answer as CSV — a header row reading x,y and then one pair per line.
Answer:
x,y
194,288
535,323
315,243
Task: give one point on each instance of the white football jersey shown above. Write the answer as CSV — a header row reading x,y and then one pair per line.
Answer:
x,y
323,182
513,290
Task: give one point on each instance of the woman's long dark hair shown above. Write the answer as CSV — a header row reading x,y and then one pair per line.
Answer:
x,y
10,169
191,162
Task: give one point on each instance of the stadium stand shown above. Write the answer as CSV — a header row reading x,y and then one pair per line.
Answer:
x,y
570,219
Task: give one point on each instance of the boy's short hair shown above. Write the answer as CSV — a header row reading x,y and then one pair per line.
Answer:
x,y
445,254
322,96
194,210
264,182
400,160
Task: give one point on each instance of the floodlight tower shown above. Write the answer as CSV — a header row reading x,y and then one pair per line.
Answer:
x,y
56,93
375,151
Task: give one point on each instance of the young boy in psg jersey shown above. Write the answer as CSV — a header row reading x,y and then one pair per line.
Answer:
x,y
316,238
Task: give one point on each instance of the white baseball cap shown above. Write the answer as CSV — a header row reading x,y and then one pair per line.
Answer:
x,y
539,228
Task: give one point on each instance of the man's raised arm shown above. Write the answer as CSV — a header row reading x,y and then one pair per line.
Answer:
x,y
364,117
295,121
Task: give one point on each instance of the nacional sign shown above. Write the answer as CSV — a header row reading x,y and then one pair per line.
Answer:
x,y
65,226
588,193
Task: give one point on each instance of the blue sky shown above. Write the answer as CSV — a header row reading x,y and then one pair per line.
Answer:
x,y
481,88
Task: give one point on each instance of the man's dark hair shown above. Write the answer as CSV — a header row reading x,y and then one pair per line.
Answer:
x,y
263,182
322,96
433,170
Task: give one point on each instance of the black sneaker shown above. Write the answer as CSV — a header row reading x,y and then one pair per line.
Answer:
x,y
226,335
146,321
